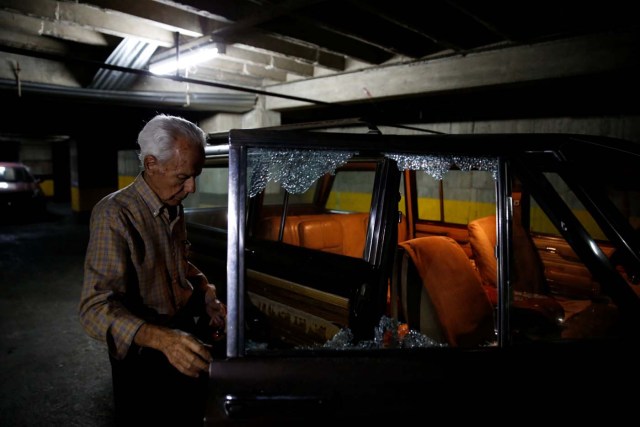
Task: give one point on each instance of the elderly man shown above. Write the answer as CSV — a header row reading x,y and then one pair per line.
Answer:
x,y
141,295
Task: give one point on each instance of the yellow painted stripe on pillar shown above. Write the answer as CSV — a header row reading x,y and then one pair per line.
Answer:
x,y
47,187
84,200
124,180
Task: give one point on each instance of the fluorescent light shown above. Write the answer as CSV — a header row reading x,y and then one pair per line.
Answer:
x,y
188,59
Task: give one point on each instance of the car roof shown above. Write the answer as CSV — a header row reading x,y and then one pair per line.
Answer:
x,y
14,165
577,146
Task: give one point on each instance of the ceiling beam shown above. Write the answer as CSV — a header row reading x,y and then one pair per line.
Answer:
x,y
173,19
32,26
87,16
576,57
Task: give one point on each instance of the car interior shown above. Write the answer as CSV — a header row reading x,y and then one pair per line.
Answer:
x,y
443,279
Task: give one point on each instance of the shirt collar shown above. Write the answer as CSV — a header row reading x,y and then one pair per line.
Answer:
x,y
148,196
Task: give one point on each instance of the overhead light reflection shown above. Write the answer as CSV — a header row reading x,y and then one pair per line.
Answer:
x,y
188,59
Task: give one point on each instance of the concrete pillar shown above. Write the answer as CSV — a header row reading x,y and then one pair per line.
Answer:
x,y
61,158
260,116
221,122
94,174
38,156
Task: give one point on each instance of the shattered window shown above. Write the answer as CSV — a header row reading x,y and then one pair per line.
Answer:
x,y
452,189
295,170
389,334
274,194
438,166
308,304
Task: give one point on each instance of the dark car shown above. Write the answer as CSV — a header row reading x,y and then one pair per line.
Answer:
x,y
20,192
374,277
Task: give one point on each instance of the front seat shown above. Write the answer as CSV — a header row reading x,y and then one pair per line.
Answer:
x,y
528,267
439,293
532,300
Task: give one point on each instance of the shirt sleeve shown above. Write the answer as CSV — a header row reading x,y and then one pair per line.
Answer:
x,y
102,313
196,277
199,280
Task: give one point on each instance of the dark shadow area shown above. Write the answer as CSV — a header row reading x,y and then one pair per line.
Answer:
x,y
51,372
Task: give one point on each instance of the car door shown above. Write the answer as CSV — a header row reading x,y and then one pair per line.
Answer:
x,y
384,370
360,372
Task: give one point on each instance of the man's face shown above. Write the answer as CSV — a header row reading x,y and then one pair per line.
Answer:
x,y
175,179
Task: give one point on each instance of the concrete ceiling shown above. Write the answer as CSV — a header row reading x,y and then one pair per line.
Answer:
x,y
319,58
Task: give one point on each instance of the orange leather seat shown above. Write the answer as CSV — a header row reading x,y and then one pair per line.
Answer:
x,y
440,294
321,234
482,239
528,267
530,288
343,234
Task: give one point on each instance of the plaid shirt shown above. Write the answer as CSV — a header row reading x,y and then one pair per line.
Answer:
x,y
136,268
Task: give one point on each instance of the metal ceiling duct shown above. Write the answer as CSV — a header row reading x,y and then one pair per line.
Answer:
x,y
214,102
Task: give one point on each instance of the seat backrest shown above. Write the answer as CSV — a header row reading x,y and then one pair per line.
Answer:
x,y
528,268
482,239
343,234
321,234
440,294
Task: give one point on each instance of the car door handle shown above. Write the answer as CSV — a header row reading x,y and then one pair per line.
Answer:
x,y
257,405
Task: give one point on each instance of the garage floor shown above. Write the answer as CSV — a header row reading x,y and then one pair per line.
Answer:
x,y
51,372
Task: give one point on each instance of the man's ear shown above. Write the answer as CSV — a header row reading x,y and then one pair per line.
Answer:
x,y
150,163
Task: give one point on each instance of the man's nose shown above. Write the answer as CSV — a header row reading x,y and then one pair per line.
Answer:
x,y
190,185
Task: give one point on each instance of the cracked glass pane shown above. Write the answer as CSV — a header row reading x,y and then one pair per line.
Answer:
x,y
438,166
295,170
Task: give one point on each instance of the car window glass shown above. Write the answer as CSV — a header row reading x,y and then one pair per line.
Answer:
x,y
306,300
556,296
295,170
351,191
14,174
326,204
459,197
274,194
540,223
454,189
627,200
402,202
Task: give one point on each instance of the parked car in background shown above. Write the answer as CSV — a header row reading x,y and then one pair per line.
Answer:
x,y
373,277
20,193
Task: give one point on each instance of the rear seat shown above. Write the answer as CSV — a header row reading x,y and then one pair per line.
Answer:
x,y
343,234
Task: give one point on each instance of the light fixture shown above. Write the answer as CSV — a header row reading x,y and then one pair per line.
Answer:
x,y
181,61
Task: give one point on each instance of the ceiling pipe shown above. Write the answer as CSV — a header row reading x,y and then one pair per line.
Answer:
x,y
219,102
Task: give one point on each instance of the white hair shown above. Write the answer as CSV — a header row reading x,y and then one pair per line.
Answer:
x,y
158,136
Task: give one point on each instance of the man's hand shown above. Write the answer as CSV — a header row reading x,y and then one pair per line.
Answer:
x,y
216,310
186,353
218,314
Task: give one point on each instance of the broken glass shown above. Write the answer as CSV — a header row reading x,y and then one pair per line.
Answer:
x,y
389,333
438,165
296,170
